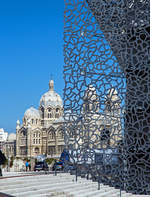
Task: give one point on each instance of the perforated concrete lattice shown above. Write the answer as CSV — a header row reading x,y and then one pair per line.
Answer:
x,y
107,91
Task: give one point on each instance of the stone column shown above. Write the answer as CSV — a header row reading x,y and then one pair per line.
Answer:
x,y
17,138
56,142
29,140
44,144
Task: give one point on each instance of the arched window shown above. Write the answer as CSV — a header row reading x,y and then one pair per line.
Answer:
x,y
57,110
105,135
36,137
32,121
23,133
52,135
42,110
49,113
57,113
86,105
49,109
36,150
60,134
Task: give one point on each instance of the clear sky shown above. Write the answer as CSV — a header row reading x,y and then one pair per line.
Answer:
x,y
31,49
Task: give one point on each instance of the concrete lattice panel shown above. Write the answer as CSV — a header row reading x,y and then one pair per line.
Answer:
x,y
106,94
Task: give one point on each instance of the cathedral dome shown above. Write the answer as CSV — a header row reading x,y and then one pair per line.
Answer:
x,y
32,113
51,98
11,137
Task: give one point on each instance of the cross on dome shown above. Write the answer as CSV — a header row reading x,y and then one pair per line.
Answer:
x,y
51,85
51,98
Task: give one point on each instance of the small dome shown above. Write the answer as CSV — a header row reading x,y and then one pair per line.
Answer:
x,y
18,122
51,98
11,137
32,113
90,93
2,130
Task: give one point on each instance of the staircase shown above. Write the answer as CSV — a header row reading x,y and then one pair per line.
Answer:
x,y
49,185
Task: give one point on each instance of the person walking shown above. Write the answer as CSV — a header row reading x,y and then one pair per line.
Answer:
x,y
27,166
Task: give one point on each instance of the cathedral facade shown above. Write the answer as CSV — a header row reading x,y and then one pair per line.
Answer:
x,y
98,125
42,128
42,131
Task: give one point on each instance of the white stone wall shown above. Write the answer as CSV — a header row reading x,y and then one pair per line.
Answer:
x,y
3,135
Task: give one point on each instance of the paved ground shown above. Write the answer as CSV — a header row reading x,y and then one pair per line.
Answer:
x,y
49,185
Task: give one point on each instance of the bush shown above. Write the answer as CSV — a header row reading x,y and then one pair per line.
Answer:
x,y
50,160
11,161
25,159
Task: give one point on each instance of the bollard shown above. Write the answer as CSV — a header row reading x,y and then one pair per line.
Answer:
x,y
55,172
76,174
120,191
87,176
98,185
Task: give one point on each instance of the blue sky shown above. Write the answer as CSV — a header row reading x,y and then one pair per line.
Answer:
x,y
31,49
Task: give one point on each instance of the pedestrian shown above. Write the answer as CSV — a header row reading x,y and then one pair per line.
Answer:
x,y
1,171
27,166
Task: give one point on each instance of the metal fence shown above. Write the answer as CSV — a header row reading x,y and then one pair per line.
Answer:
x,y
107,91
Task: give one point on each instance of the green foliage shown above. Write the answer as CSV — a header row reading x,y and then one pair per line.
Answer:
x,y
26,159
50,160
11,161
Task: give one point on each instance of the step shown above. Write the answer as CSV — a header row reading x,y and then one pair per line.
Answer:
x,y
32,190
46,190
62,185
33,182
23,188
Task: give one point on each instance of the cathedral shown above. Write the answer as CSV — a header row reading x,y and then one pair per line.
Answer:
x,y
98,124
42,129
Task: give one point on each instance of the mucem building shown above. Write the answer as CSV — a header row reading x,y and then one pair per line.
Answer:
x,y
107,90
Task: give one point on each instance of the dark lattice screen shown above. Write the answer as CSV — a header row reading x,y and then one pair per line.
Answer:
x,y
107,90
